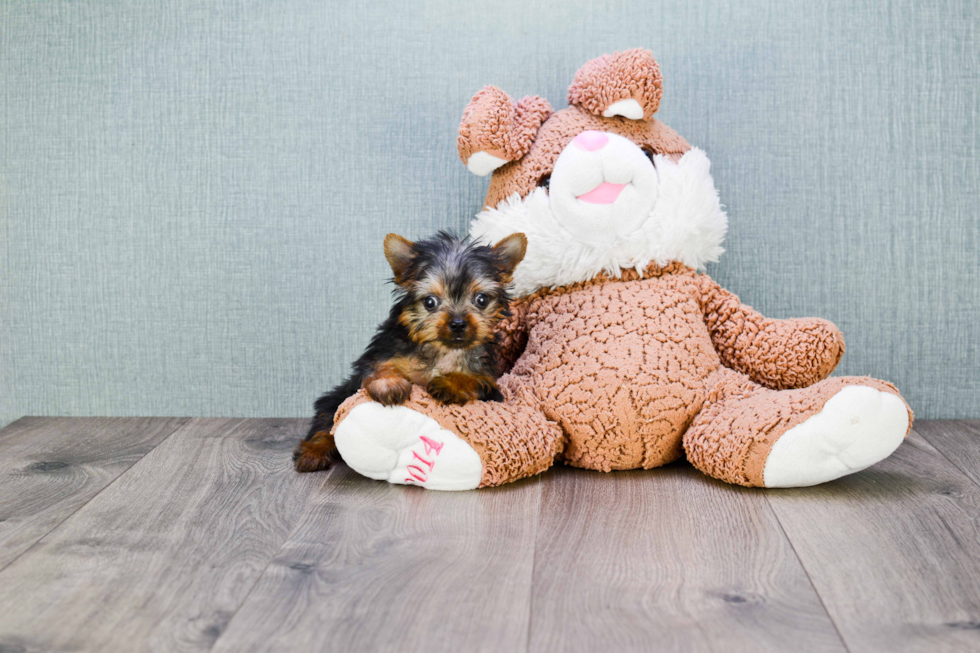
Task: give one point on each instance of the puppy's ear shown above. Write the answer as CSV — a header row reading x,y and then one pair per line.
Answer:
x,y
511,251
398,251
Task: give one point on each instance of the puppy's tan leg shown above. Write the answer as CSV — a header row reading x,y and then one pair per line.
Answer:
x,y
458,388
388,385
316,453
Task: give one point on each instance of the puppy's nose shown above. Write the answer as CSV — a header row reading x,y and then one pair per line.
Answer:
x,y
457,325
591,141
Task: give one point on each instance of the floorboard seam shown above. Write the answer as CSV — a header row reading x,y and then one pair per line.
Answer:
x,y
272,558
807,573
534,561
179,426
948,459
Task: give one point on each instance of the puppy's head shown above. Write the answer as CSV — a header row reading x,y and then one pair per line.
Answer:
x,y
453,292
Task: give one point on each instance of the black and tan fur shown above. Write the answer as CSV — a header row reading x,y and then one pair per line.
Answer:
x,y
449,295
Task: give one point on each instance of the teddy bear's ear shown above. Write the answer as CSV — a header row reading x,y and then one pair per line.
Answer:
x,y
496,130
624,84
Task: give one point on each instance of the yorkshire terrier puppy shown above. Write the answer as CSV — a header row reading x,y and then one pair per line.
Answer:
x,y
449,295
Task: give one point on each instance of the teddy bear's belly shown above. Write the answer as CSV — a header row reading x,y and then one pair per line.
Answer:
x,y
623,374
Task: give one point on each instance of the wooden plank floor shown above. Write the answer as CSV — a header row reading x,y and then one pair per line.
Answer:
x,y
126,534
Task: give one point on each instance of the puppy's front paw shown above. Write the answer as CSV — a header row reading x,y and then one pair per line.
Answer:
x,y
453,388
388,389
491,393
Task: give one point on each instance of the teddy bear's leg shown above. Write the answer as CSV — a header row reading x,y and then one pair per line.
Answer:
x,y
479,444
750,435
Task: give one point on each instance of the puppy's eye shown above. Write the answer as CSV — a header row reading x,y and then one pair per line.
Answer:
x,y
650,153
430,302
482,300
545,182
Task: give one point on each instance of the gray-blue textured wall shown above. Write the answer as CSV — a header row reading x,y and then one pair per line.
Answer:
x,y
193,194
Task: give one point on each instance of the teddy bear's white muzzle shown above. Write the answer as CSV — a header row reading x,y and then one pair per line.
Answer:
x,y
603,188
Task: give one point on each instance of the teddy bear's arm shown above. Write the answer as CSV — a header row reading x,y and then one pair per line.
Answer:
x,y
512,334
778,354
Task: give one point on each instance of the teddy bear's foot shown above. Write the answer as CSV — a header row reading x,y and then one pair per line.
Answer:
x,y
401,445
856,428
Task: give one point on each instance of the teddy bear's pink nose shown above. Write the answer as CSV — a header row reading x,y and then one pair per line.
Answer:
x,y
591,141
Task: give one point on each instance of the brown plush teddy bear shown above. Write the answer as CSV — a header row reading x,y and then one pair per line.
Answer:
x,y
620,355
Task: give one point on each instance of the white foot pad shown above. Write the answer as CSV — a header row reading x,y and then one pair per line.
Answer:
x,y
857,427
401,445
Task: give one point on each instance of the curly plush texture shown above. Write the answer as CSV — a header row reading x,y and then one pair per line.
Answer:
x,y
778,354
534,443
531,136
623,373
627,357
523,175
741,421
631,74
495,124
